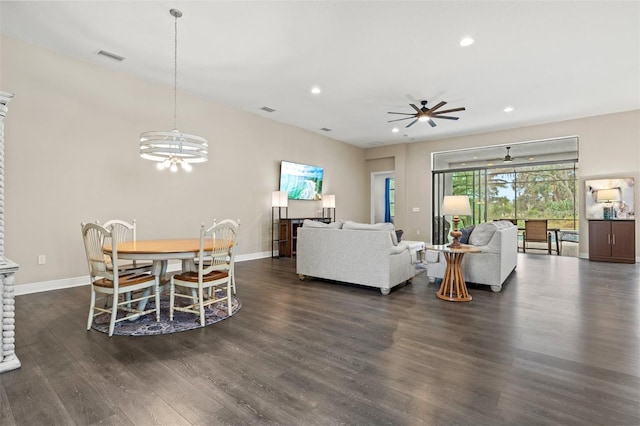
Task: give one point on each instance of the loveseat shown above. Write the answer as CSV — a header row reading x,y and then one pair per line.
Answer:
x,y
498,242
353,252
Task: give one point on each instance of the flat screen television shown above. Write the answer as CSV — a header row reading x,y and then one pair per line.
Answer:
x,y
301,181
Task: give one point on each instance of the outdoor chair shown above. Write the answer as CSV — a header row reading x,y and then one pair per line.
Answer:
x,y
536,231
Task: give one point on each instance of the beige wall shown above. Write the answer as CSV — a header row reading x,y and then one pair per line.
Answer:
x,y
609,147
72,156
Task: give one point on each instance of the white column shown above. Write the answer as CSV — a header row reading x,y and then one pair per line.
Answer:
x,y
8,358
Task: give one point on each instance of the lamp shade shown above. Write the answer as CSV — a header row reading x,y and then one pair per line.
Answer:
x,y
329,201
279,199
608,195
456,205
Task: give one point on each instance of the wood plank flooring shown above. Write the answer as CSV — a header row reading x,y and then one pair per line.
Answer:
x,y
559,345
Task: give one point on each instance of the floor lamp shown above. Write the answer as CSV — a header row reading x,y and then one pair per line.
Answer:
x,y
328,204
279,200
456,206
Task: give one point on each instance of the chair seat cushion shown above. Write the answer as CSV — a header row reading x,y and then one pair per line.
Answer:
x,y
192,276
125,280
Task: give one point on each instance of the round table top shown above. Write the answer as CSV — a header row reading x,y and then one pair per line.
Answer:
x,y
185,245
464,248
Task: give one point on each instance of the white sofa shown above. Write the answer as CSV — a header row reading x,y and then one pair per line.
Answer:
x,y
498,242
354,253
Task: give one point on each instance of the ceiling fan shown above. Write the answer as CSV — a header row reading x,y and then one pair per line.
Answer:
x,y
508,158
427,114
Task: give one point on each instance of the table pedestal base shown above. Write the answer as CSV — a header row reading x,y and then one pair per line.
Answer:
x,y
453,287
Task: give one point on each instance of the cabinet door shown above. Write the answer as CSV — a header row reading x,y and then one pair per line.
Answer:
x,y
599,239
284,248
623,244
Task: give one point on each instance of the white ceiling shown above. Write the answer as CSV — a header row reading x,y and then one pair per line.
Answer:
x,y
550,60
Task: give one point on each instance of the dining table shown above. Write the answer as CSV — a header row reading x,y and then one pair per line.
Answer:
x,y
161,251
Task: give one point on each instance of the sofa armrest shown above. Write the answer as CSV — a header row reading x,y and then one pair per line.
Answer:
x,y
398,249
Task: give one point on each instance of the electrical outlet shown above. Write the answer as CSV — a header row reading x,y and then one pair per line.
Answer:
x,y
418,232
416,209
42,259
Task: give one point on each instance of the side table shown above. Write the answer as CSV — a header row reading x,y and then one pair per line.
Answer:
x,y
453,287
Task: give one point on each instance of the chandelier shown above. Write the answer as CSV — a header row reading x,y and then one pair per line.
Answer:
x,y
174,148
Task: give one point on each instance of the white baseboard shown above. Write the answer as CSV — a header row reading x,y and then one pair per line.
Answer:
x,y
38,287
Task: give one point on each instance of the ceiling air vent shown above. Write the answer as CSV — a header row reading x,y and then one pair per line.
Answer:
x,y
324,129
111,55
266,108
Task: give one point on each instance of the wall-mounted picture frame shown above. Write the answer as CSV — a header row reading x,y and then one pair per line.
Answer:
x,y
611,199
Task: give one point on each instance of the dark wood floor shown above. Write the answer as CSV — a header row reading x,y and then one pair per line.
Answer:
x,y
559,345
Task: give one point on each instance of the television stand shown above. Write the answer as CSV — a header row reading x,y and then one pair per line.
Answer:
x,y
288,235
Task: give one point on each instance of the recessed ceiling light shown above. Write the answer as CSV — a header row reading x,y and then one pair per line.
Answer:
x,y
395,130
489,164
315,90
467,41
532,158
508,109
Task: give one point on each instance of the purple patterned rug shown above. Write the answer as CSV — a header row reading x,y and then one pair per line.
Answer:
x,y
182,321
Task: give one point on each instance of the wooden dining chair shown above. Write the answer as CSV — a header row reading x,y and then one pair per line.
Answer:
x,y
536,231
126,232
111,281
208,262
212,282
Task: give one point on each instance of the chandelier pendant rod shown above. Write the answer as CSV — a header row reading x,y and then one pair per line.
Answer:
x,y
176,14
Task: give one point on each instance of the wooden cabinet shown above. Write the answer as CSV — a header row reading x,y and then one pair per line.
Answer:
x,y
289,234
612,240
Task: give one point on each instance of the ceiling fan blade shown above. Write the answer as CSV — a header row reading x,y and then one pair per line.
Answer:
x,y
399,119
439,105
412,123
449,110
415,107
445,117
403,113
432,123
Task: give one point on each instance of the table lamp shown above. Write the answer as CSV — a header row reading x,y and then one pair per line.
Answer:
x,y
456,206
329,203
608,197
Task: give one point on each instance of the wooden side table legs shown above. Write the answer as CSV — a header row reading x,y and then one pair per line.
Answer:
x,y
453,287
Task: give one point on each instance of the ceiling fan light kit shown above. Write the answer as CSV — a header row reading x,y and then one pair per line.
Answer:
x,y
427,114
174,148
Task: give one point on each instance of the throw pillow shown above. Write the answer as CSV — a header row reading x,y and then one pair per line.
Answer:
x,y
466,233
386,226
308,223
482,234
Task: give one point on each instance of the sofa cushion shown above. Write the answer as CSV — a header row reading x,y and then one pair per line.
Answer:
x,y
466,233
386,226
308,223
482,233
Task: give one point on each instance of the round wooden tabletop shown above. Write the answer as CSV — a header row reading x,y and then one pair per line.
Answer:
x,y
464,248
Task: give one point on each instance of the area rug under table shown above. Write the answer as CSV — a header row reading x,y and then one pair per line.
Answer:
x,y
182,321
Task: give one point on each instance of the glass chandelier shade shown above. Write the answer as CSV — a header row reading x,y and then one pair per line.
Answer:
x,y
174,148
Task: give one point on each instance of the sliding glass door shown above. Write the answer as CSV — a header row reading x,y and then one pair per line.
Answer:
x,y
540,191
